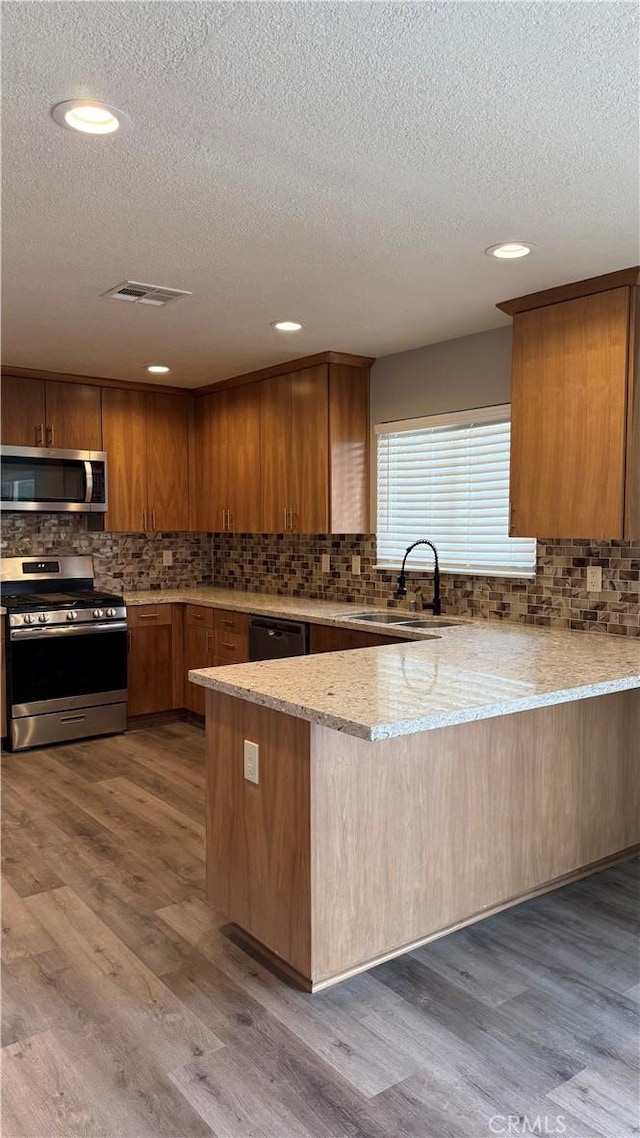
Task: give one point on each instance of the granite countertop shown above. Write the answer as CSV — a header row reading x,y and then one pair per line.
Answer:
x,y
285,608
475,670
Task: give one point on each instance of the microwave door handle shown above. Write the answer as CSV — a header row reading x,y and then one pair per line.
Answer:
x,y
88,475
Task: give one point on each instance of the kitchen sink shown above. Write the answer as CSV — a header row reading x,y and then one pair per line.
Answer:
x,y
404,619
434,622
378,617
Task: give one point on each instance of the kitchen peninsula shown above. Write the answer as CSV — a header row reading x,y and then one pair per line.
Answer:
x,y
403,791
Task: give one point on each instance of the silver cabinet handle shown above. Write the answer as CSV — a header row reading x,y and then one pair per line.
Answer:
x,y
286,522
224,519
148,616
153,519
50,441
40,435
230,516
144,520
72,718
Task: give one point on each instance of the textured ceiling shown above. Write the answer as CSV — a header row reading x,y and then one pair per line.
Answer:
x,y
340,164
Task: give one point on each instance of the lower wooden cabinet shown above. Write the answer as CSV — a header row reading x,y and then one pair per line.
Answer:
x,y
325,638
198,652
167,641
155,658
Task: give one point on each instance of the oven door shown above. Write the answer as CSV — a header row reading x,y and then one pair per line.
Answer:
x,y
58,668
41,478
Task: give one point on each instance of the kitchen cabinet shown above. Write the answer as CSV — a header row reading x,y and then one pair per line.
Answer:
x,y
212,638
327,638
575,411
294,448
146,437
50,413
227,461
314,450
198,652
155,658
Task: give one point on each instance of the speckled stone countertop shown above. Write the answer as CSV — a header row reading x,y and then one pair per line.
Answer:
x,y
475,670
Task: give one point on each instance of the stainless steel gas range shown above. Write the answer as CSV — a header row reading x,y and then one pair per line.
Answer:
x,y
66,652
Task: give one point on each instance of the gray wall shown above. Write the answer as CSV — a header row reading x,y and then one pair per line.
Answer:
x,y
473,371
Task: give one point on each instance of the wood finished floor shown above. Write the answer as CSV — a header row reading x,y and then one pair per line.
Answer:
x,y
128,1013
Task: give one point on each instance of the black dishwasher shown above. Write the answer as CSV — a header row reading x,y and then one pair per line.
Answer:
x,y
276,639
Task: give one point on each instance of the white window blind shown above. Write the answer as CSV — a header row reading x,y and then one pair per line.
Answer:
x,y
446,478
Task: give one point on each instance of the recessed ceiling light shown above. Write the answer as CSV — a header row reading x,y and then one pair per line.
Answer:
x,y
286,325
89,116
510,250
158,369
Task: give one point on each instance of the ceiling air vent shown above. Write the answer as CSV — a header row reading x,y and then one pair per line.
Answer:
x,y
137,293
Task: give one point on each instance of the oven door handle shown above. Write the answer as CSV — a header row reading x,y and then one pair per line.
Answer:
x,y
50,632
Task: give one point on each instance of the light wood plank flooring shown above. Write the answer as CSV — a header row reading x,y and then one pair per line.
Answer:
x,y
128,1013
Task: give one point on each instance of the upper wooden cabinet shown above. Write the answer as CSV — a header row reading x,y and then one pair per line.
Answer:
x,y
49,413
575,411
314,447
227,461
146,439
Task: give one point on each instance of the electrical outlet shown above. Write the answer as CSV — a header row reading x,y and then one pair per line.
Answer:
x,y
355,565
251,761
326,563
167,557
594,579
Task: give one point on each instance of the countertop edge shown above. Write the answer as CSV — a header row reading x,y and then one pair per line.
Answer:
x,y
378,732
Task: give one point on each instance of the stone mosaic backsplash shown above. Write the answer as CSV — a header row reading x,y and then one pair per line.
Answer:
x,y
557,597
121,561
290,564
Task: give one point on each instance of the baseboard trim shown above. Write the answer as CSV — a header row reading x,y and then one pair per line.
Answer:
x,y
286,972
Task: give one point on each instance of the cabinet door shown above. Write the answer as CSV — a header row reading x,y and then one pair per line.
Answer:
x,y
210,490
568,411
150,660
242,411
125,441
275,448
23,416
309,450
73,416
167,449
198,653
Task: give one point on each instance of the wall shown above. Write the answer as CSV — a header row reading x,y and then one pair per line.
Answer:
x,y
122,561
473,371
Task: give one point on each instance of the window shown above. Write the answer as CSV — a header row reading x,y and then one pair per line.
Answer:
x,y
446,478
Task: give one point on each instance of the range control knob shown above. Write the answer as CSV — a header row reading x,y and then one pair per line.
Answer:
x,y
44,617
111,612
72,615
29,618
98,614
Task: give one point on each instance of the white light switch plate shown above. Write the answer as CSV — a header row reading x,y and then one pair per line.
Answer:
x,y
326,563
167,557
594,579
355,565
251,761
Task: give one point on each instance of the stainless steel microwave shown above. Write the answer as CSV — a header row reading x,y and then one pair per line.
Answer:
x,y
42,478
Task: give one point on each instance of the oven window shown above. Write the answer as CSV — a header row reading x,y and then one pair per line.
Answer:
x,y
57,667
43,480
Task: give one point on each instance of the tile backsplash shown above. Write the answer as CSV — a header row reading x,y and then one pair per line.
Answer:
x,y
290,564
122,561
557,596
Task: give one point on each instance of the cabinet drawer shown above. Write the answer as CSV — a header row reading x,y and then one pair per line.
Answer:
x,y
231,647
197,616
232,622
142,616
